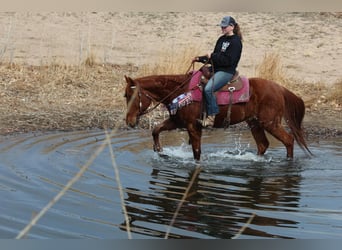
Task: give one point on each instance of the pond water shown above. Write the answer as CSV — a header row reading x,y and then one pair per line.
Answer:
x,y
235,193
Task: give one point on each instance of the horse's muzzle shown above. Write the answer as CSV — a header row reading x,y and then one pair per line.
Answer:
x,y
131,125
132,122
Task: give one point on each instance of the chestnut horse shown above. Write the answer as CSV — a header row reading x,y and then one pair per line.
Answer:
x,y
268,104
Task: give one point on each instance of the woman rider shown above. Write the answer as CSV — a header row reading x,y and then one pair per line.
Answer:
x,y
224,60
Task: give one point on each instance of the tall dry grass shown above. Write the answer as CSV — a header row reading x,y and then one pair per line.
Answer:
x,y
314,94
61,97
90,95
171,62
271,68
335,93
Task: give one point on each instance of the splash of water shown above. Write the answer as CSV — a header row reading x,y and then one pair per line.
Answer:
x,y
240,152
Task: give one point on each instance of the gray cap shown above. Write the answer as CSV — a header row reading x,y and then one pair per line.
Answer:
x,y
226,21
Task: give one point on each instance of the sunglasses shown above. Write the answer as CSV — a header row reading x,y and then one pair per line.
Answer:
x,y
225,27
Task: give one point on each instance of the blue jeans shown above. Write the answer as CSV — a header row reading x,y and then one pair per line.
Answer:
x,y
216,82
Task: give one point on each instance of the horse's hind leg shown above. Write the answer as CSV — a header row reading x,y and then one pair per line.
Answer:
x,y
259,136
165,125
278,131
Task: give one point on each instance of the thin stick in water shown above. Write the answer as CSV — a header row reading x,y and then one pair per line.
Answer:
x,y
242,229
83,169
185,195
118,181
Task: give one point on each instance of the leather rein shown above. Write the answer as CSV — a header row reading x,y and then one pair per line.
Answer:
x,y
140,92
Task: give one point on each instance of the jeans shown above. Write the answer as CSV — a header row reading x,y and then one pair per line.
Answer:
x,y
216,82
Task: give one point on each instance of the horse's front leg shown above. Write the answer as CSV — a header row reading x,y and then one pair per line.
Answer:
x,y
195,134
165,125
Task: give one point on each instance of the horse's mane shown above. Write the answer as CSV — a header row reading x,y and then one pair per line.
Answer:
x,y
166,81
173,78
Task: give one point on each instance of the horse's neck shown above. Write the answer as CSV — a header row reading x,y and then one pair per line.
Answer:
x,y
165,88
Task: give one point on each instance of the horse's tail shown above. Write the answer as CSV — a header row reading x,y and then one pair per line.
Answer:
x,y
294,115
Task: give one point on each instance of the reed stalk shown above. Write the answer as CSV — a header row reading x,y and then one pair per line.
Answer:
x,y
242,229
78,175
180,204
118,181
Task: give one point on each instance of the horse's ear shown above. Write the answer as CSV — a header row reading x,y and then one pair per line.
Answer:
x,y
129,80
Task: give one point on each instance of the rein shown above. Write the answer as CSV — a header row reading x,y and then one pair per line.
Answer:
x,y
167,96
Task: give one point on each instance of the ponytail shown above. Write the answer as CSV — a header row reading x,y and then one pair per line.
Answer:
x,y
237,30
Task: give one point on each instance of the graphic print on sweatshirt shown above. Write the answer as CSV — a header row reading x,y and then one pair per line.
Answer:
x,y
224,47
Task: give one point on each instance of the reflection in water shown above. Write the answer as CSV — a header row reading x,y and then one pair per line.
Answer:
x,y
215,207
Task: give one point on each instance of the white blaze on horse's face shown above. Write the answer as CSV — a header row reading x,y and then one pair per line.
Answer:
x,y
137,100
132,102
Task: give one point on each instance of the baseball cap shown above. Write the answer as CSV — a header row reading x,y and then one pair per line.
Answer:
x,y
226,21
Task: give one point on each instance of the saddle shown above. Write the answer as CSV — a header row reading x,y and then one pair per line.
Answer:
x,y
235,91
234,84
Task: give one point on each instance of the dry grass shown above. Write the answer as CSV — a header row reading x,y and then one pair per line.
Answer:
x,y
90,95
171,62
335,93
61,97
272,68
66,97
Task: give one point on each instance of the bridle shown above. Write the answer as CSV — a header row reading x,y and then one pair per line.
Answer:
x,y
141,92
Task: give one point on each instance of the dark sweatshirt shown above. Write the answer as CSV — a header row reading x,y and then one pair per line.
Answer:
x,y
226,55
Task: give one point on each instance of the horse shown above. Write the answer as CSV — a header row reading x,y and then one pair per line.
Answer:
x,y
269,102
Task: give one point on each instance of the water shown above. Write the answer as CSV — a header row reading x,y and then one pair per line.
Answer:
x,y
283,199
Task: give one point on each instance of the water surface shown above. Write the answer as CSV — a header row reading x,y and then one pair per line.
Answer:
x,y
299,199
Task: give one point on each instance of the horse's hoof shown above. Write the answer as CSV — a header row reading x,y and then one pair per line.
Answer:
x,y
164,156
157,148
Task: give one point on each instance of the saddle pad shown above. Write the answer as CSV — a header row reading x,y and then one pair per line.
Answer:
x,y
179,102
194,86
242,95
223,97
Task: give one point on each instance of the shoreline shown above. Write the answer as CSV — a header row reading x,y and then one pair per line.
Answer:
x,y
312,132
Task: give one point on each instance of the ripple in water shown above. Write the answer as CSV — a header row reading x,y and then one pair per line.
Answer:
x,y
285,199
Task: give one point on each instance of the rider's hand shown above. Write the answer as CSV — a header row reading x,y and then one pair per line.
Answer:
x,y
195,59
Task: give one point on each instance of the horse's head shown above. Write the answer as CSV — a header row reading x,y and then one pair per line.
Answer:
x,y
137,101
